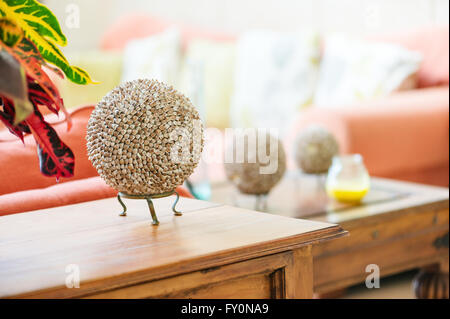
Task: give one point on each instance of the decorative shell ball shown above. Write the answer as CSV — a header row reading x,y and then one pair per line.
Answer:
x,y
249,176
314,149
144,137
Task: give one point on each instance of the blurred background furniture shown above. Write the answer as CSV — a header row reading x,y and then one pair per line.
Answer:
x,y
402,136
399,226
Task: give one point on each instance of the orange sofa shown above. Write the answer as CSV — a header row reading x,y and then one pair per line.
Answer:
x,y
406,135
403,136
23,188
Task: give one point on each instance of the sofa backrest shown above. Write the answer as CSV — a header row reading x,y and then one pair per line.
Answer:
x,y
135,26
432,42
19,164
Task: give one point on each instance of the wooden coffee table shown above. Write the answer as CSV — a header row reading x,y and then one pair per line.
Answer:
x,y
212,251
399,226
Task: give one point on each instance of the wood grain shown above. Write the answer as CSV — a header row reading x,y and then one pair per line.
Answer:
x,y
114,252
255,278
395,227
348,267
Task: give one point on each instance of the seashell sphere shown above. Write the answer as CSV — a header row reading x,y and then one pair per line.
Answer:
x,y
144,137
254,175
315,147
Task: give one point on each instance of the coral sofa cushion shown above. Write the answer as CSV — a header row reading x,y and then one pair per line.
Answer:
x,y
19,163
433,43
72,192
403,134
135,26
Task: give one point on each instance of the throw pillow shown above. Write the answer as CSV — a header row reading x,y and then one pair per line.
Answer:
x,y
433,43
275,76
207,79
353,70
105,67
155,57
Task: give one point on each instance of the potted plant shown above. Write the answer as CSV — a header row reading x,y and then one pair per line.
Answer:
x,y
30,36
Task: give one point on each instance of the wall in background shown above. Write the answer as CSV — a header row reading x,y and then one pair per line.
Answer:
x,y
355,16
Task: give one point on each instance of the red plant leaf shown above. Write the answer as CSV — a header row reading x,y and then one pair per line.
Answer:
x,y
39,96
55,157
32,61
7,117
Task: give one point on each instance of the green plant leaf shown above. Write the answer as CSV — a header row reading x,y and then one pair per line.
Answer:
x,y
34,18
52,54
42,28
10,33
31,60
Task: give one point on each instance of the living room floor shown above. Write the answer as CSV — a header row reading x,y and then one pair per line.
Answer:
x,y
393,287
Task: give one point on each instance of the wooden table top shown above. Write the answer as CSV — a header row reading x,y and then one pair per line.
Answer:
x,y
36,247
304,196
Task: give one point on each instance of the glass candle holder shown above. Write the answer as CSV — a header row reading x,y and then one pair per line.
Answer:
x,y
347,179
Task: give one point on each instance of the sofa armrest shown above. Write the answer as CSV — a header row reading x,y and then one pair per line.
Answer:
x,y
67,193
406,131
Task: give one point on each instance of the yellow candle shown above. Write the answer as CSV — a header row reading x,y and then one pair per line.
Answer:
x,y
347,195
348,180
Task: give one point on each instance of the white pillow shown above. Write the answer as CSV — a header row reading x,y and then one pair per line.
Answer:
x,y
353,70
154,57
275,76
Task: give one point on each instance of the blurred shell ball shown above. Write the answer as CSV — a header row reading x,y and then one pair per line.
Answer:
x,y
314,149
256,175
